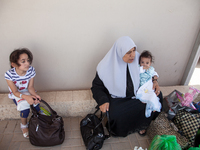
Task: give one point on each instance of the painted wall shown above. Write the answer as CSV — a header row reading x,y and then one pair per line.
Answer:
x,y
68,38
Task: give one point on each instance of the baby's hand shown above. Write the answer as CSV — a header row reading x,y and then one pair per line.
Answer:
x,y
146,67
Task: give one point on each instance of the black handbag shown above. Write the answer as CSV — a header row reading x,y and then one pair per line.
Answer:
x,y
92,131
46,130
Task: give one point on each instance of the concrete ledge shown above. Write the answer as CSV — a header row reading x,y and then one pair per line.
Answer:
x,y
68,103
65,103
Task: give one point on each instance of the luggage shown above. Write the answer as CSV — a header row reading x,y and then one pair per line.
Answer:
x,y
45,130
188,123
92,131
162,126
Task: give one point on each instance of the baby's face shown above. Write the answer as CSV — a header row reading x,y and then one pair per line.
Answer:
x,y
145,62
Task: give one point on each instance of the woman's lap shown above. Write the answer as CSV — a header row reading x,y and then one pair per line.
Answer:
x,y
127,116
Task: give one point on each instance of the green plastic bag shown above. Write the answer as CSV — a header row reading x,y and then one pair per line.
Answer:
x,y
164,142
194,148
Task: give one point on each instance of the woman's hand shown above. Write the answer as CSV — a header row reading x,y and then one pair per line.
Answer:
x,y
156,87
104,107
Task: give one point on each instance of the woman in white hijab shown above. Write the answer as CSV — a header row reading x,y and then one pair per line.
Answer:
x,y
115,86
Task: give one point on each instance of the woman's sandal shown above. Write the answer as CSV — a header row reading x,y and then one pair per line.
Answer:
x,y
142,134
26,134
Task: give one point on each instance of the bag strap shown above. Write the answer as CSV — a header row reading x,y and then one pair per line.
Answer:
x,y
106,115
34,111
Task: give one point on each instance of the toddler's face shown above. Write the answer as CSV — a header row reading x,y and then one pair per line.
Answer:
x,y
145,62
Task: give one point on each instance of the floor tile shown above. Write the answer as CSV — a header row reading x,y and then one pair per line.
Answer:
x,y
18,127
3,125
75,134
134,143
121,146
27,146
5,142
75,125
72,142
67,124
14,145
58,147
67,134
133,137
74,148
144,143
18,137
106,147
123,139
1,137
112,140
11,126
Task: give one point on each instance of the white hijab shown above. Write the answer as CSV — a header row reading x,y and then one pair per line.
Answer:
x,y
112,70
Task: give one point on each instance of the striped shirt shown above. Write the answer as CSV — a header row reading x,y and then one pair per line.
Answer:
x,y
21,82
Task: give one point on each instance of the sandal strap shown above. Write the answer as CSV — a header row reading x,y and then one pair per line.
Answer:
x,y
26,135
24,126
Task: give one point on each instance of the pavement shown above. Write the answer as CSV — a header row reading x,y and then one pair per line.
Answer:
x,y
11,138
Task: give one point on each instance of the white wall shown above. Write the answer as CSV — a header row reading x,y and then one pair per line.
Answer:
x,y
69,37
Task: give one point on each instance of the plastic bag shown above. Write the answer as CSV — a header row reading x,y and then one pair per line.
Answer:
x,y
187,98
164,142
194,148
171,104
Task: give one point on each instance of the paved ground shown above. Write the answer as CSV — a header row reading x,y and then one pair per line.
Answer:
x,y
11,138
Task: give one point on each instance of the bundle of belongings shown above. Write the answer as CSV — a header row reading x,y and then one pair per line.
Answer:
x,y
182,109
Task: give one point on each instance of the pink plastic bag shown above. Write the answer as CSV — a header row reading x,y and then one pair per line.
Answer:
x,y
187,98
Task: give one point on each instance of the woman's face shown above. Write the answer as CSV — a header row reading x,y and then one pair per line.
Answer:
x,y
129,56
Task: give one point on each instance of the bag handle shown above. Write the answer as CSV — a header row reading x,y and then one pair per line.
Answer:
x,y
106,114
53,113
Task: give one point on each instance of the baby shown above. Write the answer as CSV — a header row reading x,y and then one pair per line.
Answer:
x,y
146,93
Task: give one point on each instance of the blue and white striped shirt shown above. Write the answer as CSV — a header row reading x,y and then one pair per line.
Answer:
x,y
21,82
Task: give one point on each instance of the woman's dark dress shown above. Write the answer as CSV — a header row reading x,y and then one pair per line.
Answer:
x,y
126,115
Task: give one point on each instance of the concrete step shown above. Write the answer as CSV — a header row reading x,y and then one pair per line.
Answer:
x,y
68,103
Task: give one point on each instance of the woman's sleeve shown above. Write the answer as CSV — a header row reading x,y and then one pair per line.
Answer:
x,y
100,93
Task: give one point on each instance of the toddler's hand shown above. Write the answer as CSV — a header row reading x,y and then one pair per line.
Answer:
x,y
37,99
29,99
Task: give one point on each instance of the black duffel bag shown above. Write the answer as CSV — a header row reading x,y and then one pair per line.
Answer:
x,y
46,130
92,131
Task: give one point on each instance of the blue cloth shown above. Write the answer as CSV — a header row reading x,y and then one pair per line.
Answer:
x,y
146,75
